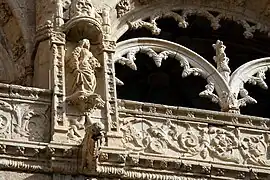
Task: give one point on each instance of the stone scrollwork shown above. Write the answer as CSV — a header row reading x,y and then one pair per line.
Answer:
x,y
253,150
224,145
82,66
18,121
194,141
5,118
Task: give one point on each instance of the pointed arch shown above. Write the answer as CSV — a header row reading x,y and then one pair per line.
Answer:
x,y
246,73
189,60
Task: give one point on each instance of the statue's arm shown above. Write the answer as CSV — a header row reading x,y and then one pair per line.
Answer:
x,y
73,61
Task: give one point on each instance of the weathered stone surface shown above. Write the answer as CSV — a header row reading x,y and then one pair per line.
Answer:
x,y
7,175
72,123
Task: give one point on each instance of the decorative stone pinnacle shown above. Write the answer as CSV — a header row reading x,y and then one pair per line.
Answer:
x,y
222,60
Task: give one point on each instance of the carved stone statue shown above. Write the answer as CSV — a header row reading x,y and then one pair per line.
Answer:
x,y
82,8
82,83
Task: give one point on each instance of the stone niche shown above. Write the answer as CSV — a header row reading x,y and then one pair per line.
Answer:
x,y
84,66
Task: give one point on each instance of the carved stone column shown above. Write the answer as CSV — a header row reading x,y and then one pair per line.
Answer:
x,y
59,122
110,83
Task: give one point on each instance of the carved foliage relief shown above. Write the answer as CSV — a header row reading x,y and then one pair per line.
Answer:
x,y
191,140
24,122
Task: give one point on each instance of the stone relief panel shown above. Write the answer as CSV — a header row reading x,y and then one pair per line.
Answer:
x,y
23,121
195,141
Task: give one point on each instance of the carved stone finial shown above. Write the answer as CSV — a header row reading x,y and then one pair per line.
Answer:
x,y
82,8
123,7
222,60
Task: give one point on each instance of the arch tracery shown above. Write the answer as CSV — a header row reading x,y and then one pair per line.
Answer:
x,y
214,11
231,94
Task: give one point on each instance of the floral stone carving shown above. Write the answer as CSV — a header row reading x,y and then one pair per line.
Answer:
x,y
82,8
123,7
82,83
194,141
22,121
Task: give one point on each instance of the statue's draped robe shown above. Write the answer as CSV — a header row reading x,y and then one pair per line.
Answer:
x,y
82,65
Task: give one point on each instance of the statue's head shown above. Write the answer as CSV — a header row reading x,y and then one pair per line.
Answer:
x,y
85,43
82,8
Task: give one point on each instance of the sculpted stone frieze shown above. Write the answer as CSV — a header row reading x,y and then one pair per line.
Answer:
x,y
24,122
195,141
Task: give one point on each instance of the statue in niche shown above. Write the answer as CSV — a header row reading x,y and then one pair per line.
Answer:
x,y
83,8
82,83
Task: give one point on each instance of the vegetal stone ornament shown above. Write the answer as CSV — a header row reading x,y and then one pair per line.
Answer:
x,y
82,8
82,65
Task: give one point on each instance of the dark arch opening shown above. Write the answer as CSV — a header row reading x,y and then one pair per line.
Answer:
x,y
262,96
199,37
161,85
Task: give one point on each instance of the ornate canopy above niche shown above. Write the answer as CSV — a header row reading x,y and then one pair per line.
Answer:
x,y
84,22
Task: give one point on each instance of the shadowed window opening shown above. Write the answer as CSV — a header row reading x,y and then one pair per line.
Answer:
x,y
163,85
199,37
262,96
